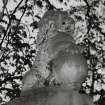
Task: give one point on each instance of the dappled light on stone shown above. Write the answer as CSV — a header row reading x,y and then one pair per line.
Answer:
x,y
57,48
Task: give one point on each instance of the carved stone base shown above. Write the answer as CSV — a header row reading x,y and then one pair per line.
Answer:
x,y
52,96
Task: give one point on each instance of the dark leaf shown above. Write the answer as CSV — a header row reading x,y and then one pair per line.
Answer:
x,y
34,24
24,34
60,0
25,45
37,17
13,17
39,3
33,51
3,21
78,17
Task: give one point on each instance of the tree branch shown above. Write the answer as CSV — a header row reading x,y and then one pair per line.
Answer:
x,y
17,7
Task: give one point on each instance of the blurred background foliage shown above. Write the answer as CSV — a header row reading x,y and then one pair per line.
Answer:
x,y
18,32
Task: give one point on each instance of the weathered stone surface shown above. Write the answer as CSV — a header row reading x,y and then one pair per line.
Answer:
x,y
52,96
56,45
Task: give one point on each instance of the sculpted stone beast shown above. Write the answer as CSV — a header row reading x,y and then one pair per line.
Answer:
x,y
56,46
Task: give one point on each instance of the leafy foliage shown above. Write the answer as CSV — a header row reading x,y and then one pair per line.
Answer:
x,y
17,41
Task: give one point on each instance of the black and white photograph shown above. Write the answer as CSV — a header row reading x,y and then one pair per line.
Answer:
x,y
52,52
